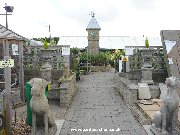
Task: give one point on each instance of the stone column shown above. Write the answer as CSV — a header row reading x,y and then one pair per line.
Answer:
x,y
147,75
46,71
46,67
147,66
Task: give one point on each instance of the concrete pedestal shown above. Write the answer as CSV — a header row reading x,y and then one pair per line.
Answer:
x,y
147,75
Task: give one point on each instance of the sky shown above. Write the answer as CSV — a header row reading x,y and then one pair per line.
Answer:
x,y
31,18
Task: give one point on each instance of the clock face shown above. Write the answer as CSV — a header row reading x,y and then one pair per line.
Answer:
x,y
94,34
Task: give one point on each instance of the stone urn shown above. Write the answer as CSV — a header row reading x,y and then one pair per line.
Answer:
x,y
147,56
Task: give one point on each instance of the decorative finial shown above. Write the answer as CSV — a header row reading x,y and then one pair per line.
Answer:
x,y
92,14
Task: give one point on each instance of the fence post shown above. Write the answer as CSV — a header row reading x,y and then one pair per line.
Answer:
x,y
8,104
21,72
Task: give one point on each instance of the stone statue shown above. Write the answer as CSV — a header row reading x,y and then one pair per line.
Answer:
x,y
66,74
165,119
43,122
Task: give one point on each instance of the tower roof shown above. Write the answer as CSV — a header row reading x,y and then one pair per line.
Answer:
x,y
93,24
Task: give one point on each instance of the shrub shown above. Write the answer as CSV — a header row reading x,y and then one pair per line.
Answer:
x,y
147,43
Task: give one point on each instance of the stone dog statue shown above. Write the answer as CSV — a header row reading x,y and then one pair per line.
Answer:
x,y
42,120
165,119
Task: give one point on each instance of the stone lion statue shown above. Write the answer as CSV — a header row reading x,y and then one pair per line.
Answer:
x,y
42,120
165,119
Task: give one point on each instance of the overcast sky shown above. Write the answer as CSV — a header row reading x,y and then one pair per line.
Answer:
x,y
71,17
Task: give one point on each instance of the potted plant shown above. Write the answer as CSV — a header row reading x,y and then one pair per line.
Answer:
x,y
147,55
47,53
146,43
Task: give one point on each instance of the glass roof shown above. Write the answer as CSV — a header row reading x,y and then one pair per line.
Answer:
x,y
109,42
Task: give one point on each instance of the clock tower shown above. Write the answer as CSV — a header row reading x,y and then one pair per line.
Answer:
x,y
93,29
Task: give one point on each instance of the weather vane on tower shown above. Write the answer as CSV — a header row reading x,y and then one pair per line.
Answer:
x,y
92,14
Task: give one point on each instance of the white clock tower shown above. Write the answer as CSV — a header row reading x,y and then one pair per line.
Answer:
x,y
93,29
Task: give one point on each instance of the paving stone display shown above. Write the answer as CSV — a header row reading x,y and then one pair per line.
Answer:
x,y
98,109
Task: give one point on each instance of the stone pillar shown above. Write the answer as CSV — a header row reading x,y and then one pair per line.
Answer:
x,y
147,66
46,71
46,67
147,75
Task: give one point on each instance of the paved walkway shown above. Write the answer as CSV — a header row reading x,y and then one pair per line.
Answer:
x,y
97,108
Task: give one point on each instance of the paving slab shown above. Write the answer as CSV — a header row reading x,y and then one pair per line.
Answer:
x,y
97,109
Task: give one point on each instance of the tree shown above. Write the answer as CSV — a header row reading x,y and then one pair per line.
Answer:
x,y
147,43
45,44
74,50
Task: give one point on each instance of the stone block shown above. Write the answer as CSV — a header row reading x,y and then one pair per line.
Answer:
x,y
134,91
134,75
144,91
155,91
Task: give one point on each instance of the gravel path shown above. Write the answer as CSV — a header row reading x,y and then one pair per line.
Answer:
x,y
97,108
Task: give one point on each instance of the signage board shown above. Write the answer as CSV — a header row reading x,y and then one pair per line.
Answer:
x,y
6,63
129,51
65,50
